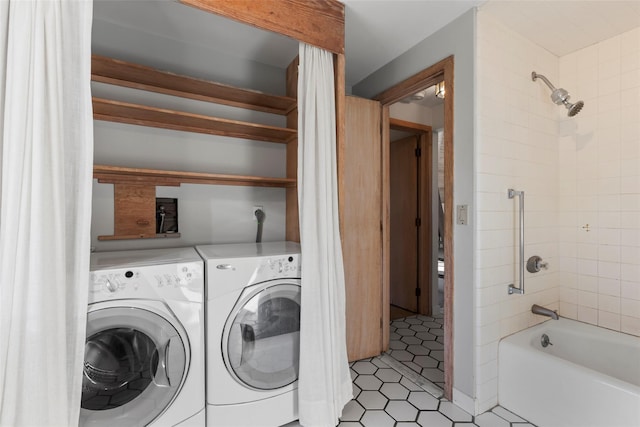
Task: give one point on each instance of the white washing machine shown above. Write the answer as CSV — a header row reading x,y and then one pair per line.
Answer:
x,y
144,362
253,333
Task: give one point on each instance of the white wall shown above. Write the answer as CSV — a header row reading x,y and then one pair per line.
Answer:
x,y
207,213
575,171
415,113
516,147
599,185
457,39
200,59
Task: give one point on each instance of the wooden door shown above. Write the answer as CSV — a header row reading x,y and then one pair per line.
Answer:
x,y
360,186
403,179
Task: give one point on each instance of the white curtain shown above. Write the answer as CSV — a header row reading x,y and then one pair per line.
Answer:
x,y
324,384
46,148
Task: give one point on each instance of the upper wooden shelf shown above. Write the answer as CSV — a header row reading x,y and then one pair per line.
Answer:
x,y
123,112
117,174
121,73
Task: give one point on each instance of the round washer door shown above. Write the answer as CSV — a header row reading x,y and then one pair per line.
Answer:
x,y
135,361
261,338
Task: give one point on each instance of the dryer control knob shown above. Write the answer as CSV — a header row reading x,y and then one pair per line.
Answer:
x,y
111,287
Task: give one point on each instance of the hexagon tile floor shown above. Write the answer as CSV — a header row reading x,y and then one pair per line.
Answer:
x,y
384,398
418,343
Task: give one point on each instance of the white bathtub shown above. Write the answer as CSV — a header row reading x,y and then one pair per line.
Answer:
x,y
590,376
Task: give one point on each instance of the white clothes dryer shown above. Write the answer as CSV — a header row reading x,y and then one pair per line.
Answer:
x,y
144,362
253,333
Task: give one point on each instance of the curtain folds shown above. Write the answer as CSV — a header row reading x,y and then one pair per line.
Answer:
x,y
324,384
46,154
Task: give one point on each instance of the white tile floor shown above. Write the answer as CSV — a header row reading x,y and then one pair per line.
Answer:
x,y
385,398
418,343
382,397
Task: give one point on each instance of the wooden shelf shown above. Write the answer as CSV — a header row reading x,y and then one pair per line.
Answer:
x,y
117,174
135,188
123,112
139,236
121,73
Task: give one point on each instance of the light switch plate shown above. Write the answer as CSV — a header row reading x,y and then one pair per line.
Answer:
x,y
462,214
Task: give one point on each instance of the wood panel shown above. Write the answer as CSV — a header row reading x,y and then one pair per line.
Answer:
x,y
126,74
117,174
124,112
134,209
404,232
359,185
316,22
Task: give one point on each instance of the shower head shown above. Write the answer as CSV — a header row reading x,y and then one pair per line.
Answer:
x,y
560,96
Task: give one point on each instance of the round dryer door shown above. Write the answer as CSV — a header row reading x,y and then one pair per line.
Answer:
x,y
261,341
135,361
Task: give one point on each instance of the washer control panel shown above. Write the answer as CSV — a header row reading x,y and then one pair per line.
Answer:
x,y
172,280
280,266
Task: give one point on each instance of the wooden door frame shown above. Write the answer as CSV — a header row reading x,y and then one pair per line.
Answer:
x,y
438,72
423,133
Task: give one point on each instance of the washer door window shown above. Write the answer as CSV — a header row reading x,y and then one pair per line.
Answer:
x,y
262,337
134,364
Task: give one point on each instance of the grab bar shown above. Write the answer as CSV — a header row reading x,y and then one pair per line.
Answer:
x,y
513,193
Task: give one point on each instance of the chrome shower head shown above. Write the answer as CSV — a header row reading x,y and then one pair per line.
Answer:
x,y
560,96
574,108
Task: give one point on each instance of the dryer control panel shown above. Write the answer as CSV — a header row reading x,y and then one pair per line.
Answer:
x,y
283,266
184,281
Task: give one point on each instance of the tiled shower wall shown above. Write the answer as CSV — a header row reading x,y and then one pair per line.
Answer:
x,y
599,186
516,147
574,171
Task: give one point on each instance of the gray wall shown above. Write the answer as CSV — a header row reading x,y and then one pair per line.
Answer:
x,y
206,213
456,39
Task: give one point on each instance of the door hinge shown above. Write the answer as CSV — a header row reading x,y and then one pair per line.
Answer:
x,y
418,222
418,292
418,152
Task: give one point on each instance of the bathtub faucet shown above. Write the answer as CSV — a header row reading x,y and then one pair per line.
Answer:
x,y
538,309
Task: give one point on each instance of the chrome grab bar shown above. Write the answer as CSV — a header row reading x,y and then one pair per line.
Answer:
x,y
513,193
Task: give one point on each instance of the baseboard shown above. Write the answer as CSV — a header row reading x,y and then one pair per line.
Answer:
x,y
465,402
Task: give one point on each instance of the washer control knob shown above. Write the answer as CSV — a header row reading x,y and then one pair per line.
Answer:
x,y
111,287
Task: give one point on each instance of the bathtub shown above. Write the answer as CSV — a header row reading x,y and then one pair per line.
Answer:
x,y
589,376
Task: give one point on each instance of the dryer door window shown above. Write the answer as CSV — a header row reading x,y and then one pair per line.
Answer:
x,y
134,364
263,337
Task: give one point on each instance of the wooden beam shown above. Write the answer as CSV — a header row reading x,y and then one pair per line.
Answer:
x,y
316,22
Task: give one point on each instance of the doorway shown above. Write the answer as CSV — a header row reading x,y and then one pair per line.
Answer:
x,y
442,72
410,163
